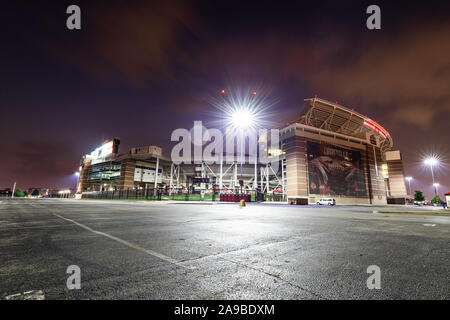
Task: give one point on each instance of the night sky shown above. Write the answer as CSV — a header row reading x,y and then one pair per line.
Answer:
x,y
140,69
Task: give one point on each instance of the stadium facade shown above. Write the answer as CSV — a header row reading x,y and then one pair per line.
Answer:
x,y
326,151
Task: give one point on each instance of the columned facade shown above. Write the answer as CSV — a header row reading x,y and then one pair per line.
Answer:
x,y
397,187
376,186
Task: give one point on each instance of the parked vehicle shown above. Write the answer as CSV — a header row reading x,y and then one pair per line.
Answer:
x,y
327,201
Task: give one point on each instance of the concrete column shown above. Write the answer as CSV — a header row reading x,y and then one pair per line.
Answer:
x,y
296,170
375,179
396,180
156,176
127,174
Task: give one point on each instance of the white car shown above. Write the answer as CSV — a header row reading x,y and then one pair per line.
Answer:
x,y
328,201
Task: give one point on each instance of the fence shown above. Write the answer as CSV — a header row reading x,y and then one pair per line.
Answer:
x,y
180,195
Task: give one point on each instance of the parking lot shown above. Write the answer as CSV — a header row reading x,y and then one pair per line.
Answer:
x,y
161,250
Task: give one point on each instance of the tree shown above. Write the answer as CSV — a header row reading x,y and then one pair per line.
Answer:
x,y
19,193
35,193
436,199
418,195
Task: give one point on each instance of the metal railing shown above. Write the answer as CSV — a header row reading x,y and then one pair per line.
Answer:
x,y
161,194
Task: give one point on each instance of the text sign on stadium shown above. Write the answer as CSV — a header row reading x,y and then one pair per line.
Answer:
x,y
200,180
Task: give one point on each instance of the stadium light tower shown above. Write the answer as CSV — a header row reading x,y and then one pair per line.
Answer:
x,y
409,183
242,113
431,162
436,186
242,119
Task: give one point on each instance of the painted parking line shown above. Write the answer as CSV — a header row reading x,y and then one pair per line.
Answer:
x,y
27,295
131,245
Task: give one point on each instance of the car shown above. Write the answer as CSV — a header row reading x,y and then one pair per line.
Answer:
x,y
328,201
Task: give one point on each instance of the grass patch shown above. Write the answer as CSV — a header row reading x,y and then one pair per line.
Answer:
x,y
423,213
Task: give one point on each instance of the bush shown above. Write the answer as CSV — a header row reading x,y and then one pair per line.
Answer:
x,y
418,195
19,193
436,199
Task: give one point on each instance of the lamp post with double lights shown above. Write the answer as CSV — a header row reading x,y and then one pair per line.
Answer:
x,y
409,183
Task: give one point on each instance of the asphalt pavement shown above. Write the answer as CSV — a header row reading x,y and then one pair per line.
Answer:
x,y
154,250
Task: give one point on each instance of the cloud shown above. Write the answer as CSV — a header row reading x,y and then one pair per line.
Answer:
x,y
146,44
415,115
137,41
34,160
408,72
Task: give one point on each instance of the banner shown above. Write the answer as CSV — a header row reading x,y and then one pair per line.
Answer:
x,y
334,170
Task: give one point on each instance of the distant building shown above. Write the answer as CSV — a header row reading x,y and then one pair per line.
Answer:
x,y
106,170
42,192
6,192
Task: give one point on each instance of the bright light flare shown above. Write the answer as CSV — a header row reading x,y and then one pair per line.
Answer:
x,y
435,185
77,173
431,161
242,119
243,110
408,178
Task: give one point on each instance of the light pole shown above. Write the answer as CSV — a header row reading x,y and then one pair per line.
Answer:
x,y
431,162
243,112
409,183
223,92
14,190
436,186
242,119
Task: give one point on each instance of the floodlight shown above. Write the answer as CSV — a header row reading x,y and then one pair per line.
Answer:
x,y
242,118
431,161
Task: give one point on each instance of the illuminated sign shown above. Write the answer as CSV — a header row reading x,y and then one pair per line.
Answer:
x,y
376,127
103,151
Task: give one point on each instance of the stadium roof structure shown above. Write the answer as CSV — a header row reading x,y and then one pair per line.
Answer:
x,y
326,115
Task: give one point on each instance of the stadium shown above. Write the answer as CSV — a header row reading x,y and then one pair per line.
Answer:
x,y
326,150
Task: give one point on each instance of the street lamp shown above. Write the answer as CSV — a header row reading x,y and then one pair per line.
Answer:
x,y
431,162
409,183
